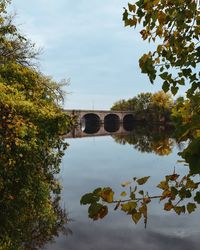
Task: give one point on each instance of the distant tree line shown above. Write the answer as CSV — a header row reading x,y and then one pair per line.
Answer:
x,y
147,106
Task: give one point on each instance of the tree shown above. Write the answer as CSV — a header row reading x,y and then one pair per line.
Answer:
x,y
143,101
160,106
174,28
31,145
14,46
147,106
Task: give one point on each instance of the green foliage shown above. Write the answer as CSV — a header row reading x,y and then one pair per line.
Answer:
x,y
186,114
173,26
31,127
146,106
176,194
191,155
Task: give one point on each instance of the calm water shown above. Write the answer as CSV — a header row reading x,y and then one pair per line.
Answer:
x,y
104,161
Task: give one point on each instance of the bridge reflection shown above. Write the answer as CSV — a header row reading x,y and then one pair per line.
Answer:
x,y
87,129
156,139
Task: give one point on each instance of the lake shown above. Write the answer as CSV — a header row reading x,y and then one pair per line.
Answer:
x,y
107,161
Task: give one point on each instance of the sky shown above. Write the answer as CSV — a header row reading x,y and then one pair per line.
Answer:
x,y
86,41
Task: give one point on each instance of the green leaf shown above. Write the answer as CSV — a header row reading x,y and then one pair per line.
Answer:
x,y
88,199
165,86
132,195
141,192
183,193
131,7
186,72
97,191
174,90
197,197
191,207
164,75
179,209
143,180
174,193
181,81
125,15
97,211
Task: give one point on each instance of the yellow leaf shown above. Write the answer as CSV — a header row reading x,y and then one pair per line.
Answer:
x,y
129,206
163,185
161,17
123,193
107,194
136,217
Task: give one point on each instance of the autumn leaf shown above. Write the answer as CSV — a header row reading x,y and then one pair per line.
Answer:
x,y
168,206
128,207
107,194
191,207
143,180
163,185
136,217
123,194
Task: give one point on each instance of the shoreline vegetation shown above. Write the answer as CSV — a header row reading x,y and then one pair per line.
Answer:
x,y
156,108
31,146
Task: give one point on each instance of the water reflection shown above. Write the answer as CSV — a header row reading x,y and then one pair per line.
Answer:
x,y
148,139
111,123
128,126
134,200
128,122
30,211
108,164
144,138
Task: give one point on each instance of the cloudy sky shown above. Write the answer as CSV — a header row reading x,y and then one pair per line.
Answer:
x,y
86,41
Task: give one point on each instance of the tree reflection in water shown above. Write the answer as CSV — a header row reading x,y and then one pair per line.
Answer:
x,y
149,139
176,193
30,212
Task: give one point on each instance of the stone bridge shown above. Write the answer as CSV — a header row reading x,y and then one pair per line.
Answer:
x,y
102,116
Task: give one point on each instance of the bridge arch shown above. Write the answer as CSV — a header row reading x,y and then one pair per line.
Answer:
x,y
111,123
128,122
90,123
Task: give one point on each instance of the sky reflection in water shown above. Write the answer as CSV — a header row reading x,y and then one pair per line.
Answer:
x,y
100,161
